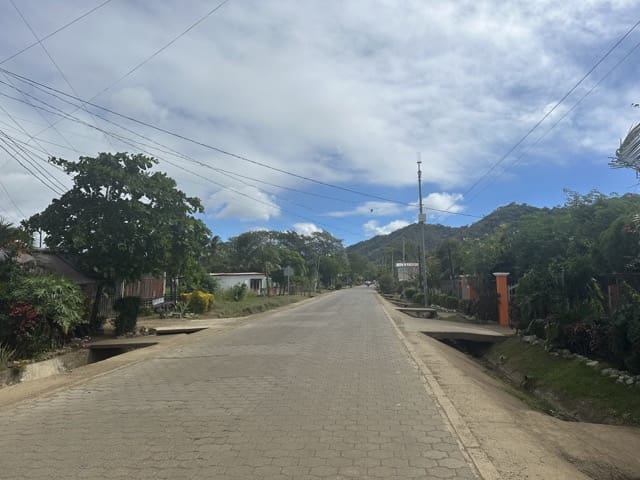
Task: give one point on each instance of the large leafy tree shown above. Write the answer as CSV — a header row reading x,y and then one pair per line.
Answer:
x,y
121,220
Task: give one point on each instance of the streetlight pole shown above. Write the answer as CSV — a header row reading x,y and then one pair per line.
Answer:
x,y
422,219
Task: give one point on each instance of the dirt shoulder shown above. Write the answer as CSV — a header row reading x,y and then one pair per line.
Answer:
x,y
522,443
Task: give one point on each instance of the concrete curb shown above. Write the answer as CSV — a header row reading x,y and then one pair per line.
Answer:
x,y
468,443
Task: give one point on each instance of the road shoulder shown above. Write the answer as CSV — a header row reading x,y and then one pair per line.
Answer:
x,y
505,438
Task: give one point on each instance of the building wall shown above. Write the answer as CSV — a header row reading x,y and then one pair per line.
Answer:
x,y
407,271
225,282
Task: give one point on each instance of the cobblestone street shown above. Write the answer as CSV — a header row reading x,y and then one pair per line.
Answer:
x,y
321,390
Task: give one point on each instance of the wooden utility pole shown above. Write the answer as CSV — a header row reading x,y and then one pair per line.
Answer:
x,y
422,219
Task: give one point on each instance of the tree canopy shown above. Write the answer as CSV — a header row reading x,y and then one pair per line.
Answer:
x,y
121,220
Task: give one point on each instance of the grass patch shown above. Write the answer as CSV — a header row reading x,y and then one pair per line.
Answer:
x,y
568,384
251,304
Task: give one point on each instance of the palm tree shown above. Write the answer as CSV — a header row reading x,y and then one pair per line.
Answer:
x,y
628,154
12,239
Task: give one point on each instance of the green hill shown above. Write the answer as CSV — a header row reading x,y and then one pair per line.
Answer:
x,y
381,246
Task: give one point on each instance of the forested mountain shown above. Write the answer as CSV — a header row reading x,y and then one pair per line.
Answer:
x,y
379,248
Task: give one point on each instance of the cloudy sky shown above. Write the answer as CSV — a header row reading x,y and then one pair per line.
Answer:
x,y
310,115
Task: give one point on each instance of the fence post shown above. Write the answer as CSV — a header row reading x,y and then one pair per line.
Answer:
x,y
503,297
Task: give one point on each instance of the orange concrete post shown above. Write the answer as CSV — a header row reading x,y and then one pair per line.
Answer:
x,y
503,297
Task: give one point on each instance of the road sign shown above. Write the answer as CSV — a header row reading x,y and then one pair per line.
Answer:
x,y
288,272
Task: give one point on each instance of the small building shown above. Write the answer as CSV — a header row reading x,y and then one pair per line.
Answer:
x,y
253,280
407,271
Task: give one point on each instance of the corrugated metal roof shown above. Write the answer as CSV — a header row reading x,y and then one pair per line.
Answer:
x,y
56,264
236,274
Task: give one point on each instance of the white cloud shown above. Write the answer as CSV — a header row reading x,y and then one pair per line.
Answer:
x,y
372,228
330,91
254,206
443,201
137,102
304,228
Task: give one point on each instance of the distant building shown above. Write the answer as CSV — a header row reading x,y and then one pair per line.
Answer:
x,y
407,271
253,280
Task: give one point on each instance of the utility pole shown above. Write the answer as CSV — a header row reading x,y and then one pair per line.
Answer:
x,y
422,219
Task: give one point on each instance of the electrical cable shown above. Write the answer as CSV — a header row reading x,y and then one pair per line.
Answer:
x,y
55,64
58,30
546,115
530,147
16,154
46,89
200,143
157,52
181,167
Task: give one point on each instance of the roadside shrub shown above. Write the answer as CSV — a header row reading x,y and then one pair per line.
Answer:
x,y
465,306
486,307
409,292
127,308
445,301
32,334
6,355
418,297
238,292
579,337
537,327
201,302
54,298
387,283
40,311
338,286
624,335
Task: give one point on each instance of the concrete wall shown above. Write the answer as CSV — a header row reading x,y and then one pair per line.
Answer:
x,y
227,281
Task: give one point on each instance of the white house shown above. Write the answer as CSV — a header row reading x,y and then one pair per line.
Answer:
x,y
407,271
253,280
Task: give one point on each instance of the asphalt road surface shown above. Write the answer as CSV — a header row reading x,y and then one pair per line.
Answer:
x,y
322,390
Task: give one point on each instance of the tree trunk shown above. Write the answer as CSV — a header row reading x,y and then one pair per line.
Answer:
x,y
95,309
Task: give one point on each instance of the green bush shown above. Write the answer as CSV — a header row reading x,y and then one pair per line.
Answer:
x,y
624,335
387,283
127,308
237,293
54,298
199,301
486,306
6,355
409,292
445,301
418,297
40,311
466,306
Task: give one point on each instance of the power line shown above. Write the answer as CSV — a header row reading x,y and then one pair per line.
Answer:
x,y
20,127
55,64
45,119
63,27
16,155
32,160
39,140
181,167
48,91
546,115
157,52
11,199
566,114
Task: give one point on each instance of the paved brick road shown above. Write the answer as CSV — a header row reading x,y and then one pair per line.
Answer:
x,y
323,390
